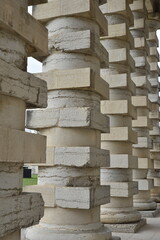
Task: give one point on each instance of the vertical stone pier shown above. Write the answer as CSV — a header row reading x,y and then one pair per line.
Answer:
x,y
70,181
119,215
18,90
142,201
153,59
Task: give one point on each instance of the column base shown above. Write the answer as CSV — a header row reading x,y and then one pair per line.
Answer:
x,y
39,232
150,214
126,227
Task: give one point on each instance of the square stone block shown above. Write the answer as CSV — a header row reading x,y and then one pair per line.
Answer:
x,y
19,146
119,107
142,122
20,212
141,101
123,161
145,184
67,118
120,134
123,189
144,163
141,81
143,142
82,157
47,191
81,41
82,197
117,7
83,78
17,83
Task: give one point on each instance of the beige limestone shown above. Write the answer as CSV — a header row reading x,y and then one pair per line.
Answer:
x,y
18,90
121,111
72,122
141,101
11,14
153,59
84,78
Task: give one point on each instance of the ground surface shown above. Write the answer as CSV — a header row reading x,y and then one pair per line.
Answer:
x,y
149,232
30,181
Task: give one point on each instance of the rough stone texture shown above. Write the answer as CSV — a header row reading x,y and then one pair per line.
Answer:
x,y
148,214
142,201
72,122
127,228
18,90
153,58
121,112
20,211
23,85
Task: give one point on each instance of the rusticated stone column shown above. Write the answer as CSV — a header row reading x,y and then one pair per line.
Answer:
x,y
70,181
119,215
18,91
142,201
153,59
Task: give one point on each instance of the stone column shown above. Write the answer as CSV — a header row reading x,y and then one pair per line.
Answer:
x,y
153,59
119,215
142,201
18,91
70,181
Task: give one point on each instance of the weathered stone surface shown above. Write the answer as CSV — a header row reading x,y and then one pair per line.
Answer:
x,y
24,210
22,147
82,8
150,214
123,189
11,14
47,191
11,179
123,161
128,227
78,192
120,134
102,234
121,80
141,101
119,107
16,83
82,157
145,184
143,142
142,122
144,163
84,78
67,117
79,41
82,198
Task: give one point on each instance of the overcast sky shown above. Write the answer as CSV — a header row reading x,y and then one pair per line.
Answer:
x,y
34,66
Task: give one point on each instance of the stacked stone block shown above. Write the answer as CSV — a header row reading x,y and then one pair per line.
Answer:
x,y
153,59
142,201
73,123
18,90
119,215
